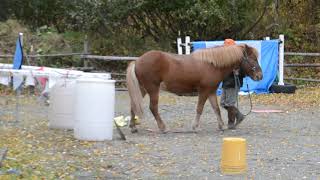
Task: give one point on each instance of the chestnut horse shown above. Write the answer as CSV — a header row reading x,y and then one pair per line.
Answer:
x,y
201,72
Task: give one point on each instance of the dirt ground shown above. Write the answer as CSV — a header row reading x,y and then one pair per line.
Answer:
x,y
279,145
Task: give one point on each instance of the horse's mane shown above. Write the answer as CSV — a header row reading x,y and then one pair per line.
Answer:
x,y
220,56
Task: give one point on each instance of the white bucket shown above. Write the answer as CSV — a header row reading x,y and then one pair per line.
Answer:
x,y
61,107
94,109
60,113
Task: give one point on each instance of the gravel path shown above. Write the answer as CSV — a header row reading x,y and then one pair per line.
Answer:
x,y
280,145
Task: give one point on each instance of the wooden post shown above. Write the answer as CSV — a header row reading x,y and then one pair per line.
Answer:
x,y
32,59
32,62
85,50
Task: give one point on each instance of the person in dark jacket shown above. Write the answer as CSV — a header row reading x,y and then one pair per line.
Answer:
x,y
230,88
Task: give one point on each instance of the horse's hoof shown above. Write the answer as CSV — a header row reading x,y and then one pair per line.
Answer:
x,y
221,127
162,128
221,131
163,131
195,127
231,126
134,130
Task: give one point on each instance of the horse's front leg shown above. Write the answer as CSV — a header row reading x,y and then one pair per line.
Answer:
x,y
203,96
214,103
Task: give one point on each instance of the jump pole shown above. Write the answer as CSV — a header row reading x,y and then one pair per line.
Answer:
x,y
187,45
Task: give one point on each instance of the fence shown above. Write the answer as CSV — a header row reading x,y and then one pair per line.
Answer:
x,y
302,65
187,46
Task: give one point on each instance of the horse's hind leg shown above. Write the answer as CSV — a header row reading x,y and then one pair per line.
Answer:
x,y
214,103
132,120
154,100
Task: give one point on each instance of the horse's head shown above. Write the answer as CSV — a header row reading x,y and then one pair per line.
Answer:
x,y
249,63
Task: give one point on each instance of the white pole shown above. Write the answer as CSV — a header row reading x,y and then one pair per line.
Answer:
x,y
187,43
21,39
281,59
179,42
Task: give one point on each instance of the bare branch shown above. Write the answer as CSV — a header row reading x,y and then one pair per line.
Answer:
x,y
258,20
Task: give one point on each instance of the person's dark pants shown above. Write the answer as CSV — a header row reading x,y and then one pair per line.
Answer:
x,y
228,101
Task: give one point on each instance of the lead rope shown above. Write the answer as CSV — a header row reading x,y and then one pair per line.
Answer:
x,y
237,85
249,100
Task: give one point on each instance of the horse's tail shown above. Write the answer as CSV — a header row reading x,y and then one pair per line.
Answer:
x,y
134,90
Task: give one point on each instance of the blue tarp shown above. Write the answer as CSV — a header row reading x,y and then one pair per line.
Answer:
x,y
268,60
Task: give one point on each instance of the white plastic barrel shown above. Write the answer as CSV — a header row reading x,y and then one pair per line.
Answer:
x,y
61,108
60,113
94,109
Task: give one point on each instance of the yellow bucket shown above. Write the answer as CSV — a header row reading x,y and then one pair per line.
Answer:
x,y
233,158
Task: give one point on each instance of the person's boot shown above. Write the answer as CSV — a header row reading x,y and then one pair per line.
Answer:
x,y
239,116
231,117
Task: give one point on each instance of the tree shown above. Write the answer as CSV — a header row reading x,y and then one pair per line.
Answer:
x,y
4,10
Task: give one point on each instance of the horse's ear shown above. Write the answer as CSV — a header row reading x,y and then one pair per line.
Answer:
x,y
246,48
251,51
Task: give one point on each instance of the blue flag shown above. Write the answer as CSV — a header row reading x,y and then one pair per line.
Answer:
x,y
18,55
17,63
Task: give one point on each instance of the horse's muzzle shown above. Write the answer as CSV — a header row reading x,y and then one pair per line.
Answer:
x,y
258,76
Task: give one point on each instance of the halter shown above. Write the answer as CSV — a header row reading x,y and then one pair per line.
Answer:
x,y
245,59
